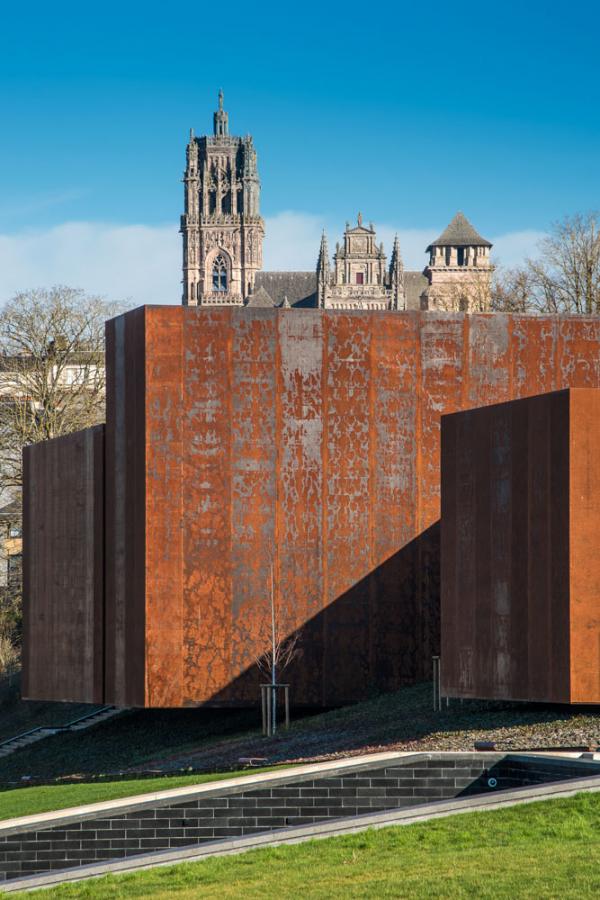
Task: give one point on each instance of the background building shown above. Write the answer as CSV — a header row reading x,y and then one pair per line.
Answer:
x,y
221,225
222,248
459,270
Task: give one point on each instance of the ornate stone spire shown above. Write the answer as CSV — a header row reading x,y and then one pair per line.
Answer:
x,y
221,119
397,277
322,270
221,224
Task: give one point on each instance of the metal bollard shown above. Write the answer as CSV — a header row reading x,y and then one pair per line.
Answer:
x,y
437,698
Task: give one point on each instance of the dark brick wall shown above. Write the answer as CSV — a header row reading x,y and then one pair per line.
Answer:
x,y
236,811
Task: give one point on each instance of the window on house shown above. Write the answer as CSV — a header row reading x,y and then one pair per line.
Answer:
x,y
219,274
360,278
14,568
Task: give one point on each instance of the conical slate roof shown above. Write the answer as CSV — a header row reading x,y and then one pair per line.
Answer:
x,y
459,233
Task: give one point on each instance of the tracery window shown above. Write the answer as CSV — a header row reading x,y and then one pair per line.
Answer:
x,y
219,274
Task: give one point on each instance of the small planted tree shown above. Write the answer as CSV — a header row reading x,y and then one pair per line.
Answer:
x,y
282,649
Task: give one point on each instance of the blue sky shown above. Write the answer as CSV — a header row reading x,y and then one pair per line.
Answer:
x,y
407,112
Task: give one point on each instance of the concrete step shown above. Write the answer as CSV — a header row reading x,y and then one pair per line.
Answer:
x,y
18,742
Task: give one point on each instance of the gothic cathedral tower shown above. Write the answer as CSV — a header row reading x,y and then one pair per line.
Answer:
x,y
221,226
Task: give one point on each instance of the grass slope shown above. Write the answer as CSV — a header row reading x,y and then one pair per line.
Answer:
x,y
549,849
126,740
214,740
45,798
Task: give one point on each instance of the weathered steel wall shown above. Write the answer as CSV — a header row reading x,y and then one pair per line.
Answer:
x,y
125,511
584,546
63,544
305,441
521,550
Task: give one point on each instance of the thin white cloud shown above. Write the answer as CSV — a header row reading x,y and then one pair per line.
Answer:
x,y
512,249
292,241
37,203
143,263
131,262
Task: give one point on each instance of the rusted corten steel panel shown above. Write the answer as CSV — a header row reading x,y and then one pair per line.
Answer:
x,y
63,561
306,443
584,567
126,476
521,548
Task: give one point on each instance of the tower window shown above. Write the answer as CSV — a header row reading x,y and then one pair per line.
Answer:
x,y
219,274
460,256
360,278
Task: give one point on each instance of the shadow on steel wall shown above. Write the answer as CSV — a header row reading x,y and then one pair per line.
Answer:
x,y
377,636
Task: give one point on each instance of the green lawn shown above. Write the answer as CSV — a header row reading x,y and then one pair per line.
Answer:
x,y
44,798
540,850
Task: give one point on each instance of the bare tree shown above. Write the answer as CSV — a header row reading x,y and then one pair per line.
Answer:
x,y
52,375
563,278
52,382
511,290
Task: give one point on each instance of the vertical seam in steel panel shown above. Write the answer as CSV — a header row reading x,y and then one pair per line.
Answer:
x,y
371,433
555,352
465,373
230,382
28,556
119,511
324,507
275,320
89,551
418,423
144,412
569,667
510,362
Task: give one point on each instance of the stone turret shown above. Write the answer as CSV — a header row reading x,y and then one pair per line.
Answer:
x,y
459,270
221,119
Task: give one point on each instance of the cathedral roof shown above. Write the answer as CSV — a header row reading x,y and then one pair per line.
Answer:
x,y
300,288
261,298
459,233
414,285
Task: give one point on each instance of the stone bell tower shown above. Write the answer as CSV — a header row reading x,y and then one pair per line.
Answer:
x,y
221,226
459,270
